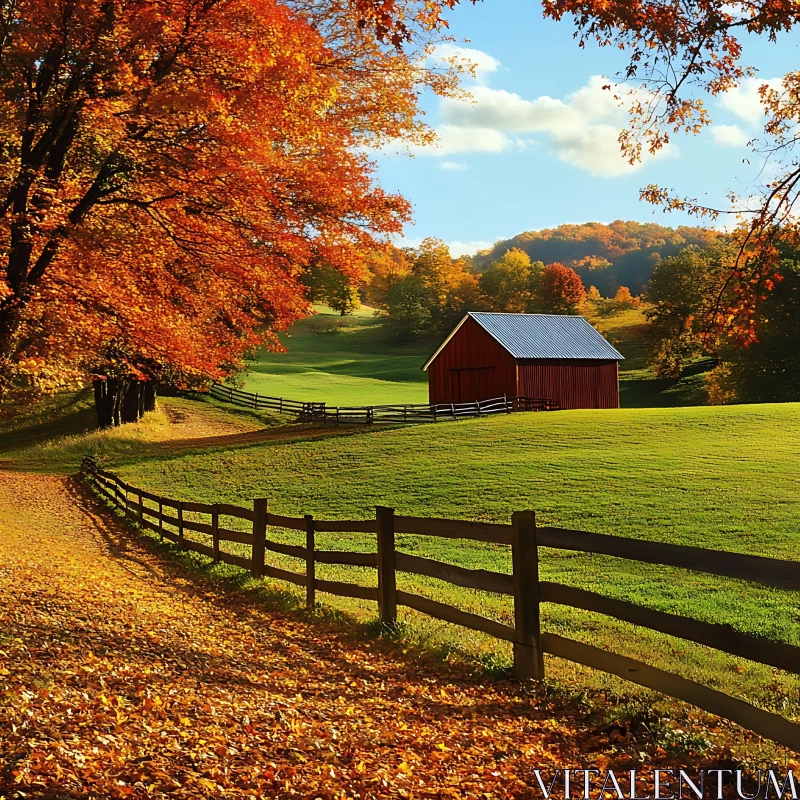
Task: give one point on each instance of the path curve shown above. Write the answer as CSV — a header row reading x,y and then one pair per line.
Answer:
x,y
122,675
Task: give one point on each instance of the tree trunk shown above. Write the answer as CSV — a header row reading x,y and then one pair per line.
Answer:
x,y
118,401
108,393
102,403
118,386
150,392
131,402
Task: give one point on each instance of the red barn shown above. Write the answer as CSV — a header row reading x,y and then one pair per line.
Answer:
x,y
557,357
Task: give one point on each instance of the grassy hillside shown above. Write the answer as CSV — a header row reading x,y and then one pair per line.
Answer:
x,y
360,364
723,478
348,360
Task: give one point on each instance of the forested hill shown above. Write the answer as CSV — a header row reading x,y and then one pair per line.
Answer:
x,y
606,256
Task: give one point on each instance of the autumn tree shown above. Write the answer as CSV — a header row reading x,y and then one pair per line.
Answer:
x,y
682,294
511,283
334,288
435,294
623,299
385,268
169,172
767,368
561,290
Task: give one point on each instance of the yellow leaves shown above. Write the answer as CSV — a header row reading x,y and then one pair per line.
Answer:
x,y
187,701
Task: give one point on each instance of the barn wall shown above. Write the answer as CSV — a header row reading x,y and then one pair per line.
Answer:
x,y
473,366
573,383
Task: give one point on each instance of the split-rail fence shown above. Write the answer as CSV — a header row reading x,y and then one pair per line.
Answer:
x,y
166,517
387,414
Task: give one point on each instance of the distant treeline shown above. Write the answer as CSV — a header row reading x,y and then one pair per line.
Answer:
x,y
622,253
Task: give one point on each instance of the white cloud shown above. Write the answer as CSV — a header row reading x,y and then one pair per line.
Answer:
x,y
468,57
455,139
453,165
583,127
745,102
729,135
458,248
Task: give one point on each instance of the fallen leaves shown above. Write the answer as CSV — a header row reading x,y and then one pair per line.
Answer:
x,y
120,678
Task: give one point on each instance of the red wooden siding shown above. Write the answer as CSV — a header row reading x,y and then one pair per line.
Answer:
x,y
473,366
573,383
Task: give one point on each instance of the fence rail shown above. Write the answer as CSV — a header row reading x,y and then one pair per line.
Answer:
x,y
385,414
523,585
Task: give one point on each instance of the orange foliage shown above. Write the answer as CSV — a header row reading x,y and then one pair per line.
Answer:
x,y
170,171
624,299
561,290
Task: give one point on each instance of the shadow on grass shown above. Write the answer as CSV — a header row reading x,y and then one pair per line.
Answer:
x,y
63,415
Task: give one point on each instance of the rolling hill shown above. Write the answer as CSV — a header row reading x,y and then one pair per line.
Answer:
x,y
621,253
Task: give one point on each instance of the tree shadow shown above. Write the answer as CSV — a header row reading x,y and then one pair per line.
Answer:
x,y
67,415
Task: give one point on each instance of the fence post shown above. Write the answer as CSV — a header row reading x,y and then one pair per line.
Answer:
x,y
387,577
180,525
370,415
259,536
528,657
311,570
255,401
215,530
230,393
160,519
141,512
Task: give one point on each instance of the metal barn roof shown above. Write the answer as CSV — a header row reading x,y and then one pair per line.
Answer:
x,y
541,336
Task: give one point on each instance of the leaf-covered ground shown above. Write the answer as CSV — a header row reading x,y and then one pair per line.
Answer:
x,y
123,675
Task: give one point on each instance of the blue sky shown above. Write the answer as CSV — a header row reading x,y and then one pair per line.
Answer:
x,y
516,160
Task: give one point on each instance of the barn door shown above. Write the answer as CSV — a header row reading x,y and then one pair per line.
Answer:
x,y
475,383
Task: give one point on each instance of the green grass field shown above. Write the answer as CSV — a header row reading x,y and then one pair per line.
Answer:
x,y
722,478
359,365
362,365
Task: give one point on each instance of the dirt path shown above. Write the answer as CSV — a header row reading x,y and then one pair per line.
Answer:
x,y
121,675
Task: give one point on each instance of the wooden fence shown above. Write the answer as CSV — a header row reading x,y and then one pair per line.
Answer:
x,y
166,517
387,414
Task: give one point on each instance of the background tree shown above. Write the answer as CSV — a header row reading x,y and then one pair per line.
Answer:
x,y
560,290
681,293
623,299
385,268
436,293
335,289
511,283
409,305
621,253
